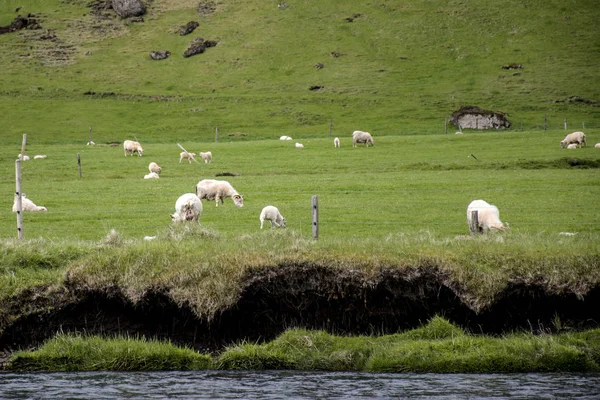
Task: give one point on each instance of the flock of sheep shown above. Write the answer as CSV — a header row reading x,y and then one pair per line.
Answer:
x,y
188,206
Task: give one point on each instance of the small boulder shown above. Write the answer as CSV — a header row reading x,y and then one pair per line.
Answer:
x,y
198,46
188,28
128,8
160,54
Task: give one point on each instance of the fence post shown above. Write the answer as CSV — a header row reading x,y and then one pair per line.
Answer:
x,y
445,125
19,200
79,164
217,134
315,217
565,124
474,226
90,136
545,122
330,128
23,146
582,125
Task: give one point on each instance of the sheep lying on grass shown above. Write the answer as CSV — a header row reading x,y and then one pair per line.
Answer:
x,y
572,146
40,157
273,215
151,175
188,207
299,146
575,137
211,189
27,205
285,138
25,157
488,217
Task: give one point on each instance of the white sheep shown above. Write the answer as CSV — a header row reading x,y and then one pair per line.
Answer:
x,y
211,189
184,155
458,133
25,157
575,137
90,143
207,157
273,215
153,167
488,217
597,146
131,146
285,138
27,205
188,207
151,175
362,137
572,146
299,146
336,142
40,157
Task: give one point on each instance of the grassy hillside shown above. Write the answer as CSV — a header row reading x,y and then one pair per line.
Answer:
x,y
402,68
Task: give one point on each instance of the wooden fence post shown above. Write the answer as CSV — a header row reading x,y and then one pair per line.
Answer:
x,y
445,125
330,128
545,122
474,226
217,134
582,125
90,136
315,217
79,164
19,200
565,124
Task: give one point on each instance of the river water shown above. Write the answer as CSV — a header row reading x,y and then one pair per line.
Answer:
x,y
295,385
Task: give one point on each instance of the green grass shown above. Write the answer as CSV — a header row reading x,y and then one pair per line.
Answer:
x,y
437,347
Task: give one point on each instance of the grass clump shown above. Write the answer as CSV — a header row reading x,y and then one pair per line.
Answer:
x,y
81,353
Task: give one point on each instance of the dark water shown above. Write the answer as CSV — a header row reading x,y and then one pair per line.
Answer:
x,y
295,385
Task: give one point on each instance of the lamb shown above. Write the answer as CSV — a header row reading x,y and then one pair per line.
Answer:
x,y
597,146
211,189
575,137
362,137
153,167
131,146
40,157
572,146
27,205
184,155
207,157
151,175
188,207
25,157
336,142
488,217
285,138
90,143
273,215
299,146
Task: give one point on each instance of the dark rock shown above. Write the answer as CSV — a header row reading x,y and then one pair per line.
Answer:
x,y
472,117
128,8
319,65
334,54
188,28
198,46
136,19
315,87
512,66
160,54
21,22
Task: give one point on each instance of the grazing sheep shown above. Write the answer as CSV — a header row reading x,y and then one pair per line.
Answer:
x,y
131,146
272,214
153,167
207,157
90,143
572,146
25,157
336,142
40,157
362,137
285,138
575,137
184,155
299,146
27,205
152,175
597,146
211,189
188,207
488,217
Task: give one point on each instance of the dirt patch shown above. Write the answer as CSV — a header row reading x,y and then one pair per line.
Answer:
x,y
273,299
473,117
206,8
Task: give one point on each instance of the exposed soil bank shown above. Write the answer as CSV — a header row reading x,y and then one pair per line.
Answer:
x,y
296,295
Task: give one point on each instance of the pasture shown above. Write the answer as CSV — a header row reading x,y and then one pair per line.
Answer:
x,y
403,185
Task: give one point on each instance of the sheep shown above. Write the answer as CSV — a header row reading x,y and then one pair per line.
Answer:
x,y
272,214
188,207
25,157
153,167
362,137
211,189
207,157
27,205
336,142
575,137
458,133
184,155
40,157
597,146
488,217
572,146
152,175
299,145
131,146
90,143
285,138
